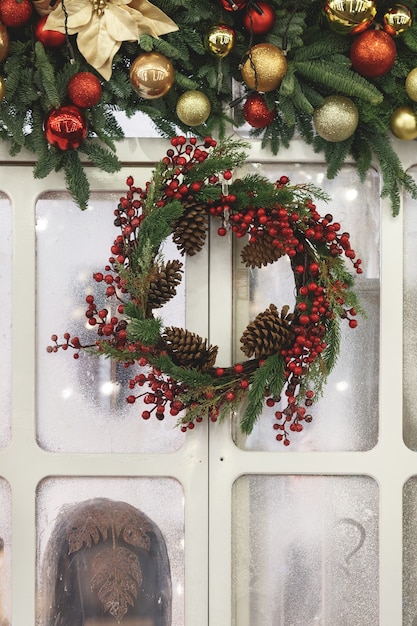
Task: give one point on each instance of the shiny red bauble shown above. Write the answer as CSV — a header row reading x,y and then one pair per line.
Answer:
x,y
84,90
233,5
259,19
14,13
373,53
256,111
66,127
49,38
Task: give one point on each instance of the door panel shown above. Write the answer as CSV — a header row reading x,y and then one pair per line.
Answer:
x,y
228,494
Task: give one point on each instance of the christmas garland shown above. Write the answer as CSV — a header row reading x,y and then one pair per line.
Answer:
x,y
340,74
289,353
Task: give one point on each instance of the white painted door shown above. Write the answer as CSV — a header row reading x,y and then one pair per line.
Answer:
x,y
255,533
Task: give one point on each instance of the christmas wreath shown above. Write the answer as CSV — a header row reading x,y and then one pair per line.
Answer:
x,y
288,353
340,74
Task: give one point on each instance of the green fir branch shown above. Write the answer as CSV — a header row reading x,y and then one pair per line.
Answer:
x,y
189,376
104,159
76,178
340,79
146,332
271,376
47,80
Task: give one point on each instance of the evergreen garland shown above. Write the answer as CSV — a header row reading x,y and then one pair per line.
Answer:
x,y
36,79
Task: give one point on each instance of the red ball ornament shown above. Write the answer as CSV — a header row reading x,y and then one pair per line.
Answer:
x,y
259,19
84,90
15,13
373,53
256,111
66,127
233,5
49,38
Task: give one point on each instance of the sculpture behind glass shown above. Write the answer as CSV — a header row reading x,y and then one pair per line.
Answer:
x,y
106,563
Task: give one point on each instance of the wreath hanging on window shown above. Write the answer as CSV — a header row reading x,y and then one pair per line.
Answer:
x,y
288,354
341,75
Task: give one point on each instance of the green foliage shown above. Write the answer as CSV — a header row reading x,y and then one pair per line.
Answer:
x,y
145,331
270,376
319,65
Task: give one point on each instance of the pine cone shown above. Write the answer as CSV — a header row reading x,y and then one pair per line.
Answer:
x,y
190,230
269,333
163,283
188,349
261,252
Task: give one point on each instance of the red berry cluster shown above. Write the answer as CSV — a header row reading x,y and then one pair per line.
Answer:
x,y
298,231
163,393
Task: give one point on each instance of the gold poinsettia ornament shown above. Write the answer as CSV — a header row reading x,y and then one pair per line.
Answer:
x,y
102,27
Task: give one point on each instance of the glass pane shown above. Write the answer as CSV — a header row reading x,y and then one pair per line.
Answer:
x,y
409,552
110,551
81,404
5,553
5,320
346,417
409,325
305,551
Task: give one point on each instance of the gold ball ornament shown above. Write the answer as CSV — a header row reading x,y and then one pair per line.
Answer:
x,y
4,42
350,18
219,40
397,20
336,119
152,75
264,68
193,108
411,84
2,88
403,123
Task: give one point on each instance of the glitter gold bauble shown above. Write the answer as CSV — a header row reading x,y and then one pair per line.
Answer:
x,y
264,67
346,17
2,88
403,123
4,42
336,119
397,20
152,75
373,53
411,84
219,40
66,127
193,108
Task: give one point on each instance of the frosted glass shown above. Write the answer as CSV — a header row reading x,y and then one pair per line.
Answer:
x,y
81,404
409,320
305,551
346,417
5,320
5,553
409,552
61,501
